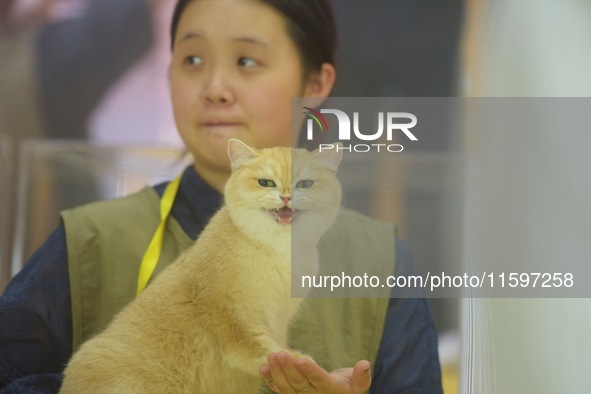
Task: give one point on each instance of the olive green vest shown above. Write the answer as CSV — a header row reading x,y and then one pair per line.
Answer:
x,y
106,242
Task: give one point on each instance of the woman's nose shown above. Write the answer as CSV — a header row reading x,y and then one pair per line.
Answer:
x,y
218,89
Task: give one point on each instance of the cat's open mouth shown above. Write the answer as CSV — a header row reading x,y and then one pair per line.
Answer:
x,y
283,215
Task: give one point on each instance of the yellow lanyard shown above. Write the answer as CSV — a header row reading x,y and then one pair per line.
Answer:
x,y
153,252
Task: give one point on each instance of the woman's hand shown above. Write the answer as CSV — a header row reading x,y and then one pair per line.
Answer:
x,y
286,375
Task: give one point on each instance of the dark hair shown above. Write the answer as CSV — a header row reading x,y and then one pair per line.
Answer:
x,y
310,24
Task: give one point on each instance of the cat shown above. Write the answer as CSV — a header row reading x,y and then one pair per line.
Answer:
x,y
208,321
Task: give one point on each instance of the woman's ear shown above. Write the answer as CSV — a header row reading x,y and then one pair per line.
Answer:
x,y
320,83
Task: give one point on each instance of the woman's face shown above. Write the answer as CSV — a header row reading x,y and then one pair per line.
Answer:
x,y
234,71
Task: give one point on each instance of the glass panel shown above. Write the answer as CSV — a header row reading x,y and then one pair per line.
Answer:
x,y
56,175
6,193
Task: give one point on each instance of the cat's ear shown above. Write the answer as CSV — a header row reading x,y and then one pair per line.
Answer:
x,y
239,153
331,158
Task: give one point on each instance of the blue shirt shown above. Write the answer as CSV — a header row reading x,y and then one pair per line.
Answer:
x,y
36,316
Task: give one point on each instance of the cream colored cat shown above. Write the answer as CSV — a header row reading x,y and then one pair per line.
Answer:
x,y
208,321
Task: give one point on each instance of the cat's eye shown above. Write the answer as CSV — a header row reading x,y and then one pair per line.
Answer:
x,y
266,183
306,183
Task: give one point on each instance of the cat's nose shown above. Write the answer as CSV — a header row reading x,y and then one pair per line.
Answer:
x,y
286,199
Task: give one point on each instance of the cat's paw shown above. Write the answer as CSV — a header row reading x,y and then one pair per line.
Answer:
x,y
298,355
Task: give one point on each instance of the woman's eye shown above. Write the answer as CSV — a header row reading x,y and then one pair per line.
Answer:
x,y
247,62
193,60
306,183
266,183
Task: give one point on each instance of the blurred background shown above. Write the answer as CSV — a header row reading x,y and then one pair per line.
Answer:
x,y
85,115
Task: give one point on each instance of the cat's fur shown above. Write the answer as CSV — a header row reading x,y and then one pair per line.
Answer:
x,y
208,321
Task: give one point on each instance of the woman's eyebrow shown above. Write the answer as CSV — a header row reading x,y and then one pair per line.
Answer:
x,y
189,35
246,39
251,40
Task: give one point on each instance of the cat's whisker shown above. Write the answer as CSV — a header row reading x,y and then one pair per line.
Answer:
x,y
249,204
315,204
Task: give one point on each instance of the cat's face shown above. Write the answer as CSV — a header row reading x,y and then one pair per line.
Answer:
x,y
282,189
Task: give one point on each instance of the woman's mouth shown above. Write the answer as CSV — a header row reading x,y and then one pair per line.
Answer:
x,y
222,126
214,124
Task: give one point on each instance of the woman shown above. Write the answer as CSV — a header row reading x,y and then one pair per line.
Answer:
x,y
235,66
